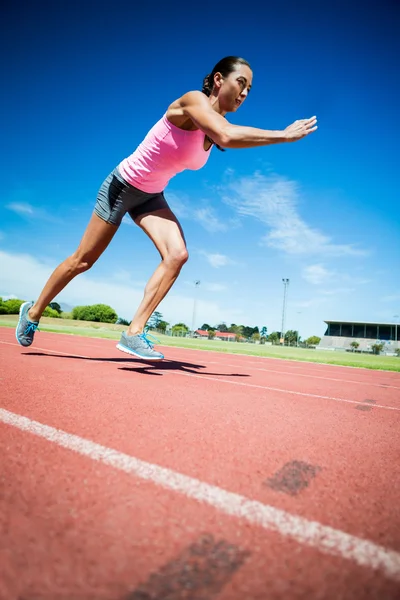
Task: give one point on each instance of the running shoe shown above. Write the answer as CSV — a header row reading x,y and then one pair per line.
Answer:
x,y
139,346
25,328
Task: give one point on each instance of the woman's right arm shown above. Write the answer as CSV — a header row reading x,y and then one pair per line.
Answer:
x,y
197,107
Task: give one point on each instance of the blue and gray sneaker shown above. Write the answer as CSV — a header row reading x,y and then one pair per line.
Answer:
x,y
25,328
139,345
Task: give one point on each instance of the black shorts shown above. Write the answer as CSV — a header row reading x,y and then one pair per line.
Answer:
x,y
116,197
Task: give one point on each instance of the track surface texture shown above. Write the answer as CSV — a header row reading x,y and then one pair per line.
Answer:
x,y
204,476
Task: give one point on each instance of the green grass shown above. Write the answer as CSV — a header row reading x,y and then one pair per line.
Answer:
x,y
113,332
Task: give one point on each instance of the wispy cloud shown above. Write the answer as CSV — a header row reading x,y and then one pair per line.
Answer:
x,y
126,220
391,298
337,291
217,260
316,274
29,211
208,218
273,200
21,208
179,205
215,287
204,215
312,302
208,286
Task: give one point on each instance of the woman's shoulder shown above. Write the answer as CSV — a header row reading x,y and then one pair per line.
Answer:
x,y
176,113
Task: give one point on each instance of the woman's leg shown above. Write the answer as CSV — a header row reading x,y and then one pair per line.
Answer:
x,y
164,230
95,240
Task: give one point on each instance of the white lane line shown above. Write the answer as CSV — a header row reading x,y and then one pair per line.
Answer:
x,y
239,383
51,351
310,533
272,389
369,383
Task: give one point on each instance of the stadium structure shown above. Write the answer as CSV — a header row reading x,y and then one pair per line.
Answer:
x,y
340,334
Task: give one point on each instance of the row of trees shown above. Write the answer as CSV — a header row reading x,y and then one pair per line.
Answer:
x,y
12,306
103,313
292,337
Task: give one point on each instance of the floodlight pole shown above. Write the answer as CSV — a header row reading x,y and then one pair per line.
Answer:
x,y
297,342
285,286
196,285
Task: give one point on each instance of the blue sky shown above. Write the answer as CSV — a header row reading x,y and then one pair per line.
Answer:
x,y
82,89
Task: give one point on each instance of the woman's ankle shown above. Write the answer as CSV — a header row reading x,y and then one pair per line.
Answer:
x,y
33,315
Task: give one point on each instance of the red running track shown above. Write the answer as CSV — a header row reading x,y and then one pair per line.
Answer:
x,y
204,476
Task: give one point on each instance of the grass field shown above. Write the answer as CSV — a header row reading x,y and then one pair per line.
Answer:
x,y
105,330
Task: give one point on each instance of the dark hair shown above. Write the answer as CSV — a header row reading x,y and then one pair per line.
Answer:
x,y
225,66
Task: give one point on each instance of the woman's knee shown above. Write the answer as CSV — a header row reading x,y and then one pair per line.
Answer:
x,y
79,263
176,257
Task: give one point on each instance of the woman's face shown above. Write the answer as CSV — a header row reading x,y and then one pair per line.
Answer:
x,y
233,89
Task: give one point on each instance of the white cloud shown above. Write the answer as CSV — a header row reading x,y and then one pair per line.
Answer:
x,y
391,298
337,291
178,205
316,274
21,208
208,286
217,260
273,200
203,215
312,302
215,287
126,220
209,220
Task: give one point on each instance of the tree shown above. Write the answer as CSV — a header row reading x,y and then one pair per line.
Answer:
x,y
274,337
162,326
154,320
256,337
12,306
291,337
96,312
238,329
354,345
56,306
222,328
377,348
121,321
205,327
247,331
179,328
264,332
211,334
51,312
313,340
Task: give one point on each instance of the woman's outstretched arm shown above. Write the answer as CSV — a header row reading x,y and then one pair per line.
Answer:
x,y
197,107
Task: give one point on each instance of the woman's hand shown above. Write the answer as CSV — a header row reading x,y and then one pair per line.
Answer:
x,y
299,129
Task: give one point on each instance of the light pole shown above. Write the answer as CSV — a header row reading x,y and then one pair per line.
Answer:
x,y
285,286
196,285
298,319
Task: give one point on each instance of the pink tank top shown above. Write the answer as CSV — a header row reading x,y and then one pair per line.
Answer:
x,y
165,151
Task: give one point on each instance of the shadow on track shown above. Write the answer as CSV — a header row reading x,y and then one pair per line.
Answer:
x,y
145,367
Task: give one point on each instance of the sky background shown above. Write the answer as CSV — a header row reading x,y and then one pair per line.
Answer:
x,y
84,82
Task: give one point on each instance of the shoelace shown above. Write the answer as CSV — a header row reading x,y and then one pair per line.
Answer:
x,y
31,328
145,337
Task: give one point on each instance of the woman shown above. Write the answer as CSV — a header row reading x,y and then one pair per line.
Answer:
x,y
181,139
